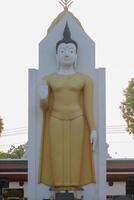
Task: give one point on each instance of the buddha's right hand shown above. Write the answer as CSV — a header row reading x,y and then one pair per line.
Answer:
x,y
43,89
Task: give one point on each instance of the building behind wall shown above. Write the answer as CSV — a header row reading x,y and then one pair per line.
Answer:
x,y
120,177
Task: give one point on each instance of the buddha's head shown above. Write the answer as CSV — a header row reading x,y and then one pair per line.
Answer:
x,y
66,49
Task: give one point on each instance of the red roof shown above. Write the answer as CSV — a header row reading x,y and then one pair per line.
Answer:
x,y
17,169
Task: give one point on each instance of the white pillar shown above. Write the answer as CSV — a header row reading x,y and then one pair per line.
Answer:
x,y
101,127
32,121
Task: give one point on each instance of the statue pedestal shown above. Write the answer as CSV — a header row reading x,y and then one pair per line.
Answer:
x,y
65,196
64,199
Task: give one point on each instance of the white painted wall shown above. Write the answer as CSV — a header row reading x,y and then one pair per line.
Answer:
x,y
16,185
118,188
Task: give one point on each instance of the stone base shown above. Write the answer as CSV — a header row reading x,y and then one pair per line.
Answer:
x,y
62,199
64,196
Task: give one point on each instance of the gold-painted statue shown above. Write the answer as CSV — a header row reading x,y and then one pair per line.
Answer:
x,y
68,136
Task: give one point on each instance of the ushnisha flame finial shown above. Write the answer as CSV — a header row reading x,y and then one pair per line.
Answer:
x,y
65,3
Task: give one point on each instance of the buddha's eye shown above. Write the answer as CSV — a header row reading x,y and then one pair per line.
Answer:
x,y
71,51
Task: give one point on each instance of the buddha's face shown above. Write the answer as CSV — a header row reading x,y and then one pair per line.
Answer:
x,y
66,54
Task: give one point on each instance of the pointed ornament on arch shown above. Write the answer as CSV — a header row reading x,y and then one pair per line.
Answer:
x,y
65,4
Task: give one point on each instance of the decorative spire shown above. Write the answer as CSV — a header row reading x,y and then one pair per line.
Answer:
x,y
65,3
67,33
66,38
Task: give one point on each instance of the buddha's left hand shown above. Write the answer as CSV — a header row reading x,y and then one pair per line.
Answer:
x,y
93,139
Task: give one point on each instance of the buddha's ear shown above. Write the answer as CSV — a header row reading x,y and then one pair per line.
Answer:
x,y
57,60
75,63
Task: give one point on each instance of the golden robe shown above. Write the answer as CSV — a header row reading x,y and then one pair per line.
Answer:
x,y
66,153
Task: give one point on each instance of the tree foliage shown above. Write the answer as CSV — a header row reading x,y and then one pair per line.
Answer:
x,y
1,125
127,106
13,152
